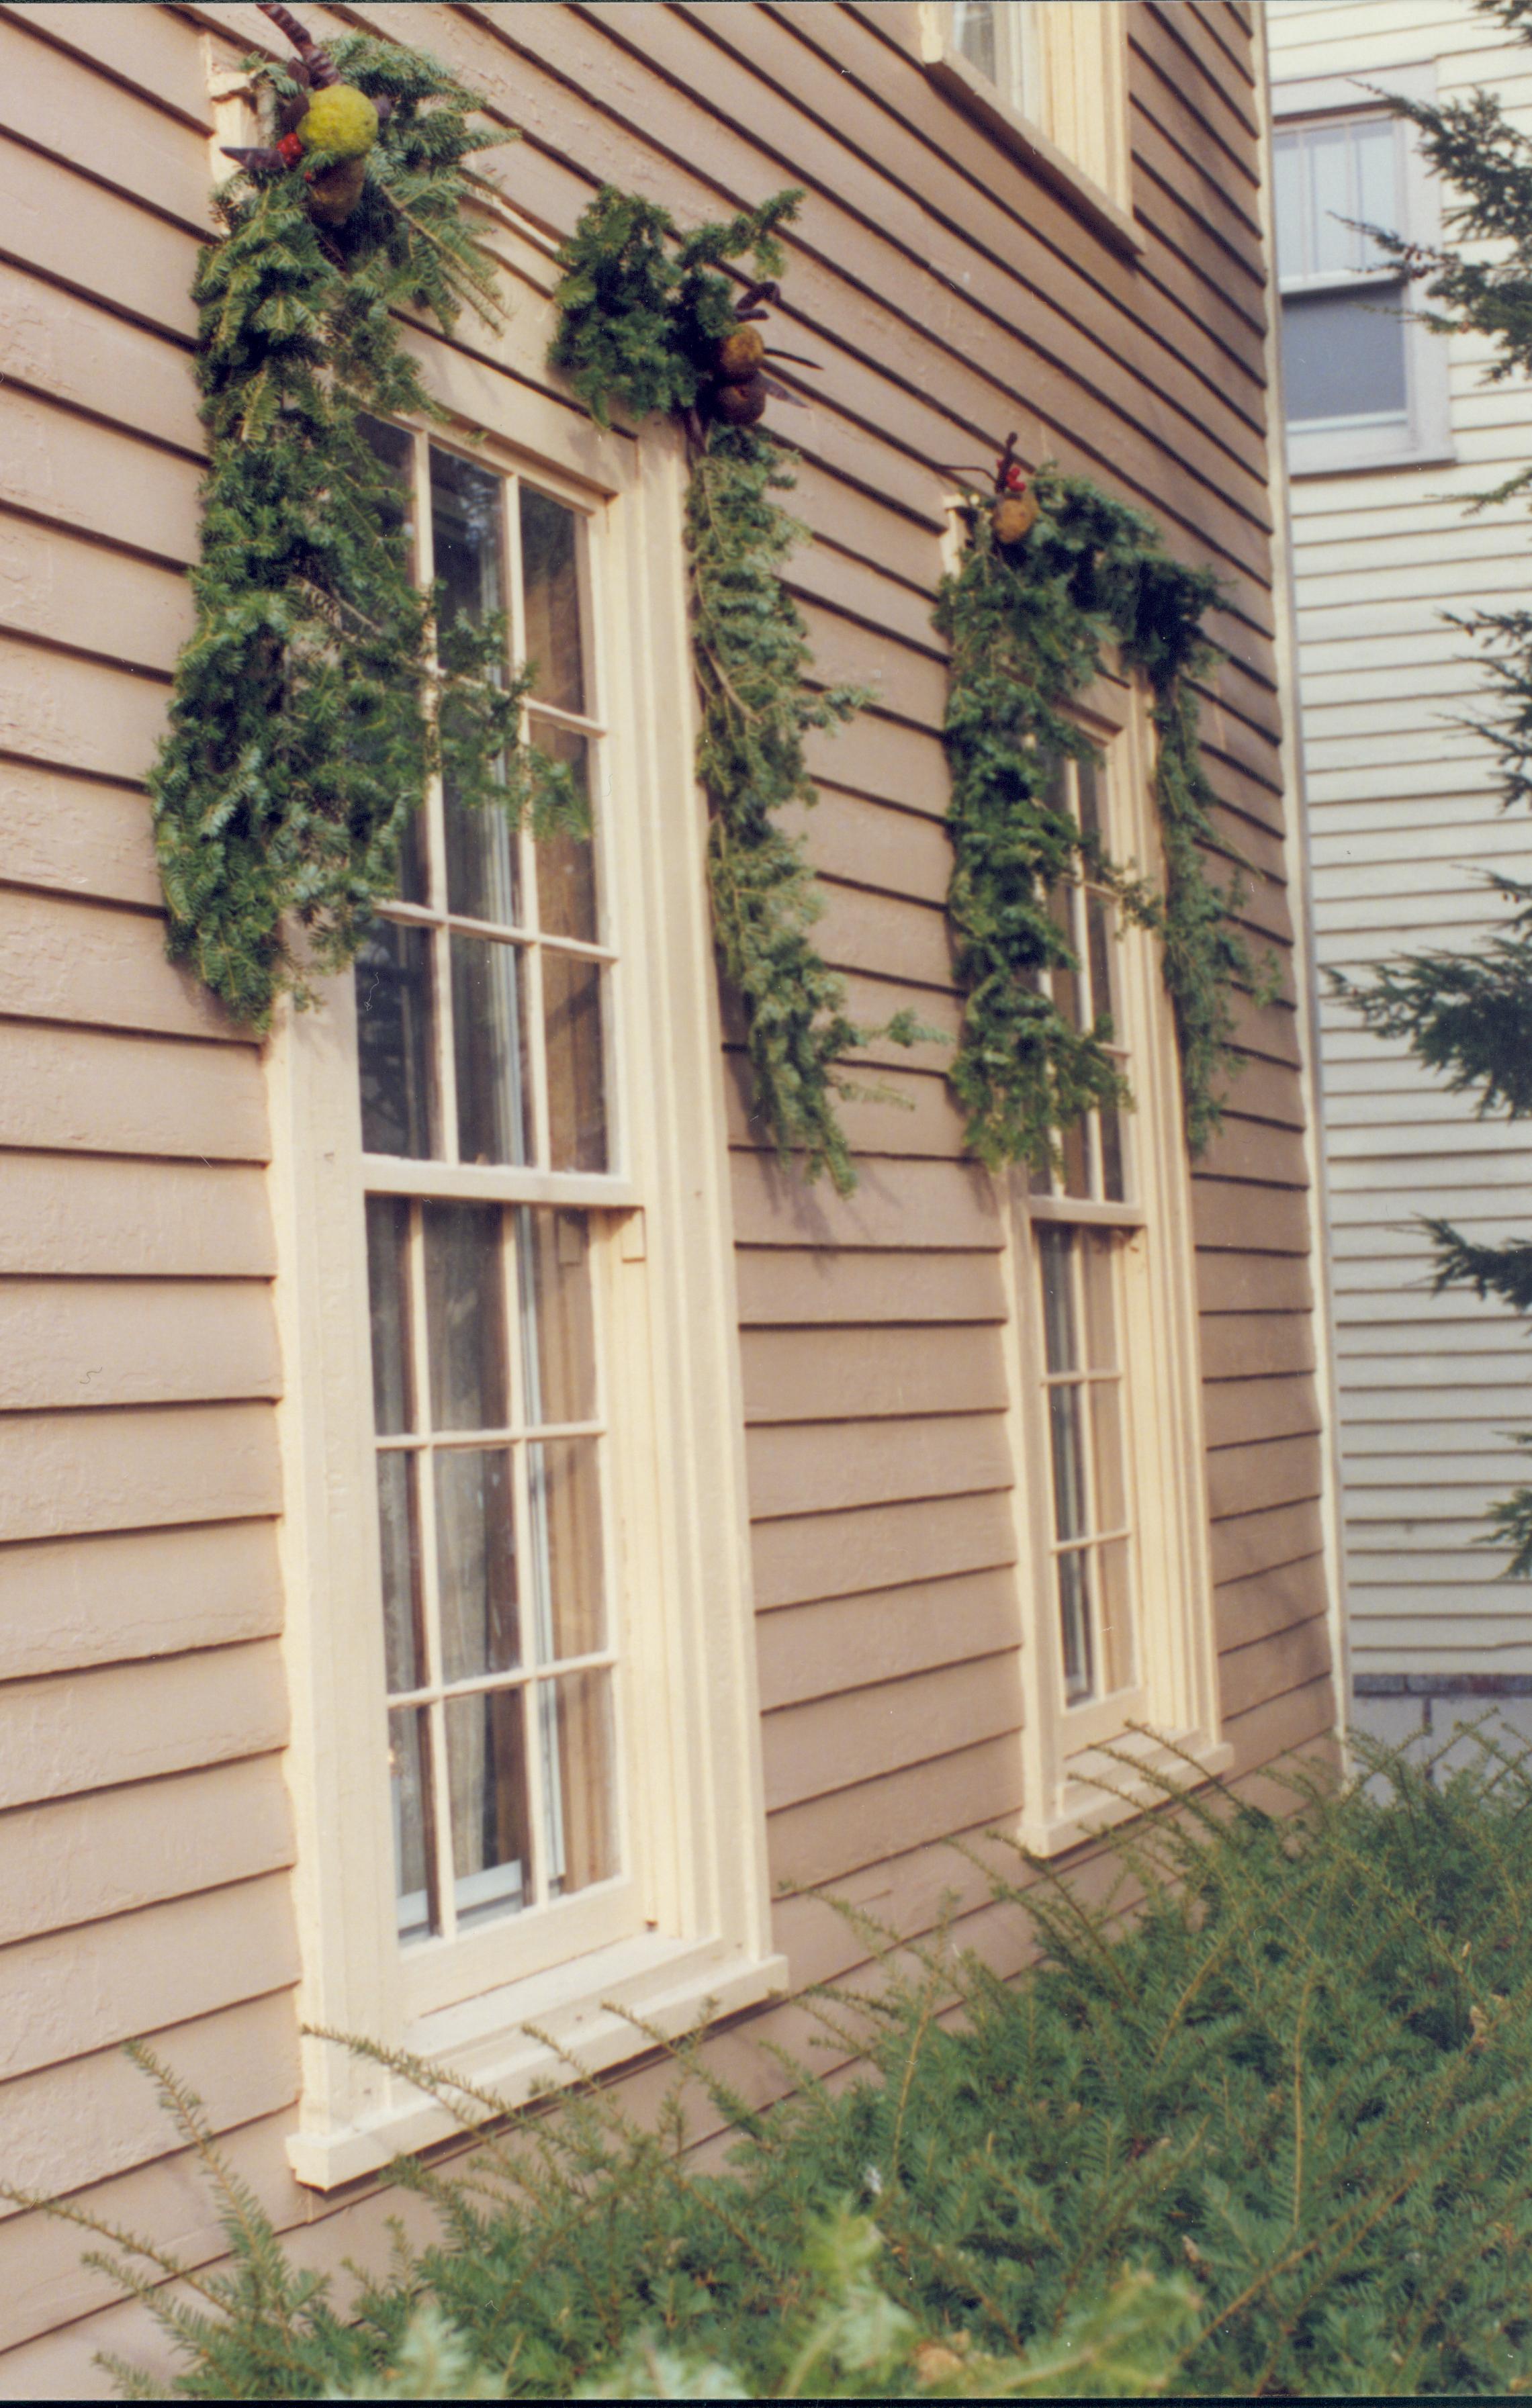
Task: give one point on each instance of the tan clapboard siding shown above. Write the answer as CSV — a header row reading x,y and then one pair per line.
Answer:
x,y
110,1852
68,1603
66,347
837,1555
63,1089
106,1469
99,1215
73,2123
840,1643
69,960
68,836
82,1341
129,1721
1403,813
810,1289
186,1957
43,2283
839,1375
819,1841
818,1749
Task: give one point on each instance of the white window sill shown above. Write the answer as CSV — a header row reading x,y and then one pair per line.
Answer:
x,y
1099,1789
974,93
586,2009
1364,463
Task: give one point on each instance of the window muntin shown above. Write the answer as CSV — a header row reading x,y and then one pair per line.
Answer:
x,y
998,37
1108,1419
483,994
496,1626
1344,350
481,1012
1047,77
1092,1537
1080,1214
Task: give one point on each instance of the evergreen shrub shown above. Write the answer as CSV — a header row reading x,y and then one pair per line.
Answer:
x,y
1258,2122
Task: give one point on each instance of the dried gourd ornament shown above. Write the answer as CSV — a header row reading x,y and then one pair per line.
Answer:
x,y
328,117
736,387
1015,513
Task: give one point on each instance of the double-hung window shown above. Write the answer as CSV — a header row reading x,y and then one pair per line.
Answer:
x,y
482,999
1109,1418
1047,79
526,1763
1364,385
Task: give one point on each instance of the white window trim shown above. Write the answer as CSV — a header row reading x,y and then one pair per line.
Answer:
x,y
666,1271
1106,207
1319,449
1073,1781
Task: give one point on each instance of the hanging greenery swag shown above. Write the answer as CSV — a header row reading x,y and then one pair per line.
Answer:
x,y
1027,620
648,321
319,691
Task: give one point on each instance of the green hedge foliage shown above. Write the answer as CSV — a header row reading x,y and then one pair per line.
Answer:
x,y
1258,2122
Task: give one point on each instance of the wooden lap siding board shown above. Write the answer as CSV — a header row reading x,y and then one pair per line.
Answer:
x,y
948,298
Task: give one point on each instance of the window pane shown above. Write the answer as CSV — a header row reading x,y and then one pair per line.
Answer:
x,y
388,1298
1098,937
973,34
1055,1250
1107,1450
465,1317
466,537
1066,982
409,1779
489,1039
576,1715
486,1765
1113,1178
483,864
475,1562
566,1535
1075,1628
1377,184
1343,353
1099,1263
1075,1145
1070,1516
396,1028
1087,786
577,1104
558,1333
414,865
1332,197
550,588
1287,170
1114,1610
399,1530
566,903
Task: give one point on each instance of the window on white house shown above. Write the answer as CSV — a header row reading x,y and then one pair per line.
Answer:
x,y
1109,1423
1049,78
1363,383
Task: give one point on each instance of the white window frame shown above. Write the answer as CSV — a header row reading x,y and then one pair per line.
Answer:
x,y
1061,103
1329,447
1075,1781
662,1250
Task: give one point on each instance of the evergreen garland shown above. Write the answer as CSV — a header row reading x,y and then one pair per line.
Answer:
x,y
642,310
1027,622
316,696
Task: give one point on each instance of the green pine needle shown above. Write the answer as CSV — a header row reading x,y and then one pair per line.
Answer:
x,y
307,713
1027,629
